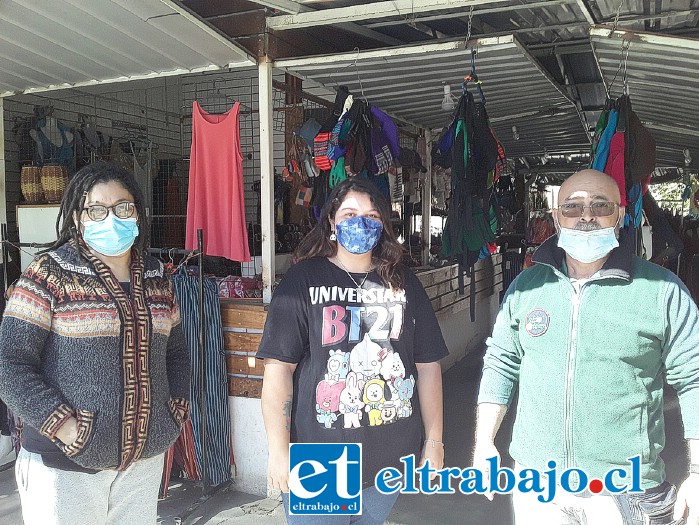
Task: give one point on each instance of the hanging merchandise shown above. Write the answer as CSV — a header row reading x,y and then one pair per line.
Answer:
x,y
53,142
321,141
216,463
357,140
309,130
216,200
384,141
470,149
624,149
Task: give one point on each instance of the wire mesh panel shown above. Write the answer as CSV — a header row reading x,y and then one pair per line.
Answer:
x,y
133,126
146,127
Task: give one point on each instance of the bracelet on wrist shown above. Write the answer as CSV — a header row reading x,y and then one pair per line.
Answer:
x,y
433,443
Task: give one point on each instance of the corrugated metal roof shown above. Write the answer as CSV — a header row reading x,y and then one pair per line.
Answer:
x,y
407,83
54,45
663,83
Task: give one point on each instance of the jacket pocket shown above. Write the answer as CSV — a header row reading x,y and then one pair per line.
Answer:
x,y
179,409
86,427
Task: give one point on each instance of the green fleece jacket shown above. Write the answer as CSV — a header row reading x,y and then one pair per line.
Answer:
x,y
589,367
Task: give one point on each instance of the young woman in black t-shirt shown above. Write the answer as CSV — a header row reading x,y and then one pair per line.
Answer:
x,y
352,349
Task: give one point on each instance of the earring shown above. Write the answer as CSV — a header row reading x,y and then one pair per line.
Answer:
x,y
333,237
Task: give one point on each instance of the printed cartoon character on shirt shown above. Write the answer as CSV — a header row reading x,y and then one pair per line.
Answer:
x,y
392,369
365,360
338,366
374,400
328,402
406,388
389,412
351,403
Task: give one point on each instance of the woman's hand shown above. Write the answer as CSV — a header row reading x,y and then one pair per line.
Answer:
x,y
68,432
278,470
434,451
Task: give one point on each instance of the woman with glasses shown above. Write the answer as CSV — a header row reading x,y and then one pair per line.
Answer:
x,y
93,362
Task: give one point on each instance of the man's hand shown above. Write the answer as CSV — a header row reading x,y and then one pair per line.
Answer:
x,y
68,432
434,451
481,453
278,470
688,499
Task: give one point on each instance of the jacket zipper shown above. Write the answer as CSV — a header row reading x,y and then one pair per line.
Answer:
x,y
568,438
568,414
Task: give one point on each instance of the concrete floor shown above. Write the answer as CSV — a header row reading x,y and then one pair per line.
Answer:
x,y
460,389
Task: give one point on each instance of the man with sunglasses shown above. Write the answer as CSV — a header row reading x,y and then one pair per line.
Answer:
x,y
587,337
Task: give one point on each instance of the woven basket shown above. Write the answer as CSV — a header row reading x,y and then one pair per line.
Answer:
x,y
54,179
30,182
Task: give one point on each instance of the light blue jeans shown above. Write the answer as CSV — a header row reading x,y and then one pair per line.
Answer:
x,y
375,509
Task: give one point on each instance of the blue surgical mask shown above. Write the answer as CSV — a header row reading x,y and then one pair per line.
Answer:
x,y
359,234
587,246
112,236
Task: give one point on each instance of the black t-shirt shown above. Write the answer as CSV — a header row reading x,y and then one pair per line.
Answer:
x,y
355,380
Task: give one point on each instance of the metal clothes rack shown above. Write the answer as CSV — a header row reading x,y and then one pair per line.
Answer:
x,y
207,490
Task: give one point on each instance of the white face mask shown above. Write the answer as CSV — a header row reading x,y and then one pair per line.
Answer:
x,y
587,246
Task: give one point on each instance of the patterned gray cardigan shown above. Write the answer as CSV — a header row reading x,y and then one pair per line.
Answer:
x,y
72,342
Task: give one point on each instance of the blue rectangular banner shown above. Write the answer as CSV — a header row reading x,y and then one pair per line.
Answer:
x,y
325,478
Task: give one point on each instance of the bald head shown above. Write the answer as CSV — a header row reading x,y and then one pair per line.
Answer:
x,y
591,184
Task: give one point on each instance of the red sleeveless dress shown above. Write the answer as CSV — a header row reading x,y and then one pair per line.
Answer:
x,y
215,201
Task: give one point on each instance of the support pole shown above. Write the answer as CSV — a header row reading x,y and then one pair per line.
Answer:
x,y
427,200
201,348
266,176
3,185
3,194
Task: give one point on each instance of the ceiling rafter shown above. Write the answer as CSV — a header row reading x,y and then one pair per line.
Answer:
x,y
368,12
289,6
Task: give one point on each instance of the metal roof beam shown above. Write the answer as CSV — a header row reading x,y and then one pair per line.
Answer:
x,y
648,38
587,13
212,31
288,6
504,41
476,12
367,12
370,33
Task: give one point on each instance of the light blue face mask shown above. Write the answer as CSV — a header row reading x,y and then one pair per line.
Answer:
x,y
112,236
359,234
587,246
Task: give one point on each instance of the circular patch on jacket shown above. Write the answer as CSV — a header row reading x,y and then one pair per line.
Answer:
x,y
537,322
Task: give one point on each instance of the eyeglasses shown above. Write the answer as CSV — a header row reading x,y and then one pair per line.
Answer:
x,y
597,209
123,210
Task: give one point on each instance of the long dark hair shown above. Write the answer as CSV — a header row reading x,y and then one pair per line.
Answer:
x,y
388,252
77,190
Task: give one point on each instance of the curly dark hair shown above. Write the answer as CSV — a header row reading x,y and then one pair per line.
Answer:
x,y
76,192
388,252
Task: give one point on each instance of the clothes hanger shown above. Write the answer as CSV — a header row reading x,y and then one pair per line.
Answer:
x,y
216,98
473,77
359,78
